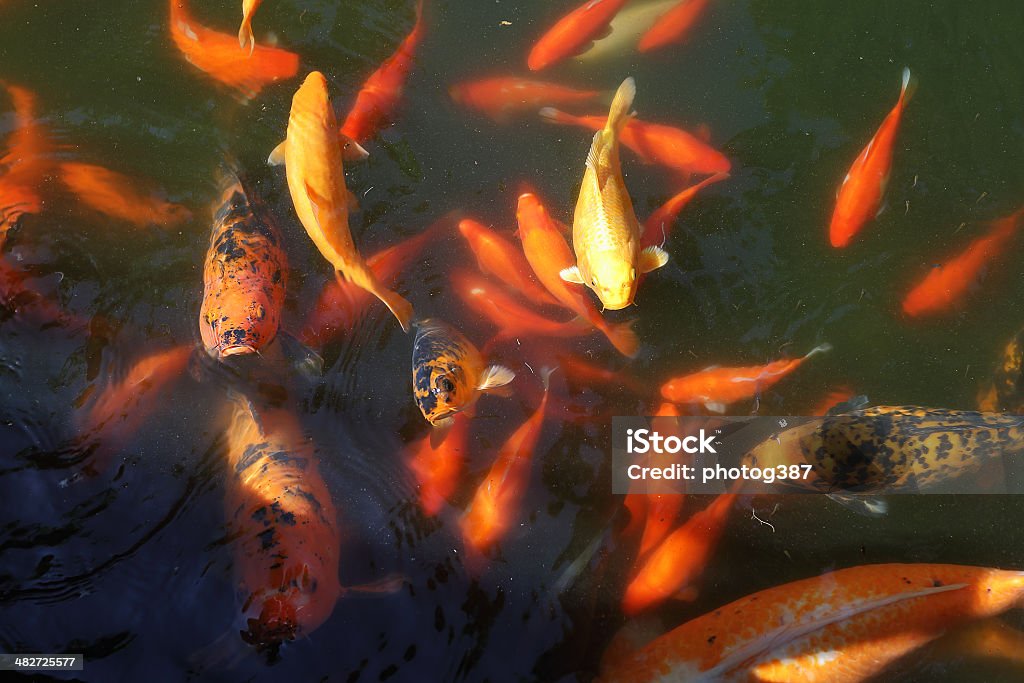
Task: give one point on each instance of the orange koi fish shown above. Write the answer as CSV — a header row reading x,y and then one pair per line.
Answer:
x,y
717,387
549,254
947,283
244,278
342,305
377,101
316,180
498,257
24,167
583,372
123,406
678,560
500,97
437,468
861,193
245,36
659,224
654,143
654,513
217,55
672,26
287,550
493,509
512,318
844,626
117,196
573,33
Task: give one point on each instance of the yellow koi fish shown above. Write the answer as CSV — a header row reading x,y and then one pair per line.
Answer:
x,y
605,231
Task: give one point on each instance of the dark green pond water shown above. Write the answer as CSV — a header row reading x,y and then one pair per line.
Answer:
x,y
133,565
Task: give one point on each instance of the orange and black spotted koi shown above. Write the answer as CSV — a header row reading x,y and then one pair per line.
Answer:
x,y
1005,391
287,552
244,278
448,372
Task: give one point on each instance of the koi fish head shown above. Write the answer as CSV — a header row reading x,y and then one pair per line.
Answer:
x,y
240,329
613,280
441,382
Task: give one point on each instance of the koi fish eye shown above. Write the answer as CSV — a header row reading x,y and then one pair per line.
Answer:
x,y
593,281
632,274
443,385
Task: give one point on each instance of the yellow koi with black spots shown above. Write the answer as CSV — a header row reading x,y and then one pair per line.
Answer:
x,y
244,277
605,231
448,372
891,448
1006,390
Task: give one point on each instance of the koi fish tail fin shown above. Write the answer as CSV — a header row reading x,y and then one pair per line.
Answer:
x,y
245,35
622,106
909,87
552,115
545,376
363,277
623,338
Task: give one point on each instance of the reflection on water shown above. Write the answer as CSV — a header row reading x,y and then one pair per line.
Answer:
x,y
114,537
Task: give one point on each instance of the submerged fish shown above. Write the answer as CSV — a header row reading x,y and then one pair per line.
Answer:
x,y
244,278
245,36
678,560
498,257
605,231
217,55
119,196
672,26
947,283
287,547
448,373
716,387
316,181
1006,390
659,224
378,99
573,33
625,30
549,254
860,195
891,448
436,466
844,626
25,164
501,96
494,506
666,146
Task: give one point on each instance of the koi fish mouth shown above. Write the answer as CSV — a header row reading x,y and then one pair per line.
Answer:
x,y
237,350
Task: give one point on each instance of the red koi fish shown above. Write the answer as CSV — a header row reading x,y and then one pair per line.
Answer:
x,y
573,33
548,254
287,552
123,406
494,506
217,55
842,627
24,166
658,226
377,102
834,398
679,560
672,26
654,143
437,467
498,257
511,318
501,97
244,277
861,192
118,196
717,387
946,284
580,371
245,36
654,513
343,304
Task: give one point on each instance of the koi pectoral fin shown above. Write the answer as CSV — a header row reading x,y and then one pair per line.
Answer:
x,y
495,376
652,258
572,275
276,157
